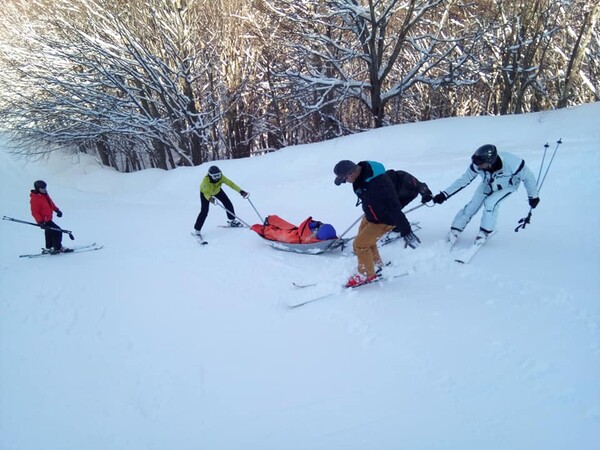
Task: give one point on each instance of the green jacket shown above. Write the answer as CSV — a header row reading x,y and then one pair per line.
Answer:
x,y
209,189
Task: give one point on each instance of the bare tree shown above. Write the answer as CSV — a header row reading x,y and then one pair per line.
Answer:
x,y
371,51
163,83
583,37
95,76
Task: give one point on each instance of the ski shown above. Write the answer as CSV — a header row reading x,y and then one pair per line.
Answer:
x,y
393,236
77,249
229,226
467,255
344,289
314,299
305,285
199,239
302,286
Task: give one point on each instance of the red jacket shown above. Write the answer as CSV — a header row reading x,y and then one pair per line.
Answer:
x,y
42,206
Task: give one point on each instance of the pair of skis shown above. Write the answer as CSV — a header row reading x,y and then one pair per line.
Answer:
x,y
463,257
76,249
466,256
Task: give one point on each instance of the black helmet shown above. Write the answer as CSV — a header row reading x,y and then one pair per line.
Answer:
x,y
39,184
214,173
485,154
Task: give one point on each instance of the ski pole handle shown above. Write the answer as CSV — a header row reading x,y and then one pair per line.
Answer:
x,y
524,221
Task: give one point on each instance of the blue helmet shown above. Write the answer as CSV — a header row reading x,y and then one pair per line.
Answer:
x,y
325,232
214,173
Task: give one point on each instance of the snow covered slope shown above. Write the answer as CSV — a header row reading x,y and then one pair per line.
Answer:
x,y
156,342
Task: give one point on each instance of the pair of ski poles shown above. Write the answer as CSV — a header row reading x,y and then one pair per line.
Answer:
x,y
540,182
70,233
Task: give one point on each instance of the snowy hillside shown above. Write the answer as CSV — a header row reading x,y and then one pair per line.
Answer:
x,y
155,342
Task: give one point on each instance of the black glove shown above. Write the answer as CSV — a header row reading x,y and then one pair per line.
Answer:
x,y
439,198
59,213
426,197
411,240
213,200
244,194
533,202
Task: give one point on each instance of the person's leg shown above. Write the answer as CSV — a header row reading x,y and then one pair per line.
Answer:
x,y
464,216
204,205
222,196
377,261
365,246
491,206
48,238
55,236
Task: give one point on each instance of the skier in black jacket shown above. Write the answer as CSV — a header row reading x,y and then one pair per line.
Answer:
x,y
383,213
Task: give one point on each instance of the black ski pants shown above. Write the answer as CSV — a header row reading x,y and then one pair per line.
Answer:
x,y
53,237
205,204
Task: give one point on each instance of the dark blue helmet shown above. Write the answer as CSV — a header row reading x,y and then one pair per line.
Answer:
x,y
39,184
214,173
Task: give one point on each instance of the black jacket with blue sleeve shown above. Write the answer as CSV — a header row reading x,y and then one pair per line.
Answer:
x,y
376,192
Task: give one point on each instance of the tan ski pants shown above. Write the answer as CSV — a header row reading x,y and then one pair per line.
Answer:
x,y
365,245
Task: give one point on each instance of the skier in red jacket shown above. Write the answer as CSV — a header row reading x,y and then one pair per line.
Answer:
x,y
42,208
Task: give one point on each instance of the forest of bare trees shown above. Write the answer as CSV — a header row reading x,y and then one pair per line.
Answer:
x,y
167,83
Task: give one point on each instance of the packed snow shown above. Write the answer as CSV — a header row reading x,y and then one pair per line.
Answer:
x,y
156,342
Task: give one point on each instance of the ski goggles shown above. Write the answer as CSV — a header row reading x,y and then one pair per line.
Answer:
x,y
215,176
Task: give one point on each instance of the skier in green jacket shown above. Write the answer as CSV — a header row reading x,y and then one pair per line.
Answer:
x,y
210,191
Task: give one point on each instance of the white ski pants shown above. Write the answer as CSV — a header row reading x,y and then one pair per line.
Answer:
x,y
490,203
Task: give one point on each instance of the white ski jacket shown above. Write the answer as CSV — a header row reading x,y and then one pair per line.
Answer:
x,y
508,177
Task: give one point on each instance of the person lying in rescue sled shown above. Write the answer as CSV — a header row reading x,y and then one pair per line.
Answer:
x,y
308,232
383,213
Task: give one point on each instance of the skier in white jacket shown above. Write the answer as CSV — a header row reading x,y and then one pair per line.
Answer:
x,y
501,176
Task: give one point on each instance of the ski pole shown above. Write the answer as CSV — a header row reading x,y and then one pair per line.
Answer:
x,y
527,219
350,227
341,236
412,209
229,212
70,233
255,210
549,164
542,164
